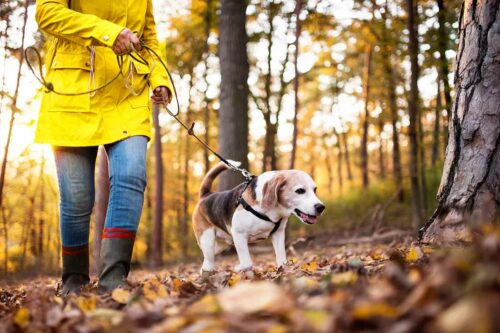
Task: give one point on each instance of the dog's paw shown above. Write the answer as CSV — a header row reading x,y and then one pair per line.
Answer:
x,y
205,275
242,268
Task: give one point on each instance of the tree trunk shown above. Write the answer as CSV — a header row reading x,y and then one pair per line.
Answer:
x,y
443,41
14,105
233,121
346,154
390,78
366,119
298,8
6,243
157,258
416,209
381,157
206,119
436,131
469,194
101,204
41,217
329,166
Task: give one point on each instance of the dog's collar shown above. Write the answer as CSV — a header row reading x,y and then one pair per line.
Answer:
x,y
260,215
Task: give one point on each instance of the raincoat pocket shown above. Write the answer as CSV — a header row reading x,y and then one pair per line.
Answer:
x,y
70,75
141,73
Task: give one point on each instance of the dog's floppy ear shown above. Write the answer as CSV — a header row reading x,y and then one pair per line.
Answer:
x,y
271,191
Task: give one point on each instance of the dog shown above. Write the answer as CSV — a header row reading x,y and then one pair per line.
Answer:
x,y
251,212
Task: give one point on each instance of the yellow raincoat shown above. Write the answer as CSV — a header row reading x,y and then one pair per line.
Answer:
x,y
90,27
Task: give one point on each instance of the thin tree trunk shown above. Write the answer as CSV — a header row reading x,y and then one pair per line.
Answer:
x,y
6,242
41,217
390,77
14,106
436,131
298,8
443,41
339,159
157,253
185,182
346,154
329,166
366,119
469,194
233,120
206,119
381,157
101,204
416,216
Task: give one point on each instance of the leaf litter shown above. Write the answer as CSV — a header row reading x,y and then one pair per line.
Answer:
x,y
399,287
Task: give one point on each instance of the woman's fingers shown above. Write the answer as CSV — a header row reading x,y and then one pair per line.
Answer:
x,y
126,42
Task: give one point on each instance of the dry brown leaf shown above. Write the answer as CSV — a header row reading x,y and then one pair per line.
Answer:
x,y
248,298
22,317
120,295
415,253
310,267
153,289
367,310
344,278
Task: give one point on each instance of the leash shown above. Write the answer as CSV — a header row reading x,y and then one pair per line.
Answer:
x,y
128,79
120,61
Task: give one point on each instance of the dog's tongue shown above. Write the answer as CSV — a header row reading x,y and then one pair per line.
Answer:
x,y
309,218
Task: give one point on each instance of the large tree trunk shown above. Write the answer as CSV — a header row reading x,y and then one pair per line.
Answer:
x,y
298,8
101,204
366,119
233,121
416,209
469,194
157,252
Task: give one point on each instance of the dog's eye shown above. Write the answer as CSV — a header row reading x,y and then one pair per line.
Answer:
x,y
300,191
315,189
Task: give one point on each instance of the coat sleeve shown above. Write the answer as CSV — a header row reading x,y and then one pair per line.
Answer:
x,y
159,75
55,18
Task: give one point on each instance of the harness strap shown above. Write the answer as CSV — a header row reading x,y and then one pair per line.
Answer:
x,y
260,215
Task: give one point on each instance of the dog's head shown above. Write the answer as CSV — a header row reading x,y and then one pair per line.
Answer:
x,y
294,192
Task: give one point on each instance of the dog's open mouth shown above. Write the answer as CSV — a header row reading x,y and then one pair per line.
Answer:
x,y
306,218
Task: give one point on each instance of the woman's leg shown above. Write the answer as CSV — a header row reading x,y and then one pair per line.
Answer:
x,y
75,172
127,172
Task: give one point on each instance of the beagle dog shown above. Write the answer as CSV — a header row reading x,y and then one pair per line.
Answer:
x,y
251,212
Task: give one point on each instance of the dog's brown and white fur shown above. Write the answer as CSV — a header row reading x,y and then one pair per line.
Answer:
x,y
218,223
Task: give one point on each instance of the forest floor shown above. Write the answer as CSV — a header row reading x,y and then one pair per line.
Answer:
x,y
381,283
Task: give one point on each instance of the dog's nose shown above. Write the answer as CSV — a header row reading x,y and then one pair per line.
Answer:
x,y
319,208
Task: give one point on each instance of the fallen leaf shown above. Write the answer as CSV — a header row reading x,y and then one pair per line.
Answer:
x,y
366,311
153,289
22,317
120,295
86,303
310,267
235,278
414,253
252,297
344,278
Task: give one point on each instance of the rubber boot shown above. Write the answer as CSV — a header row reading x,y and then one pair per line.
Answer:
x,y
75,270
116,254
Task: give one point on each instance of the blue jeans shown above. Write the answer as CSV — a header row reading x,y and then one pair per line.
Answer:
x,y
127,173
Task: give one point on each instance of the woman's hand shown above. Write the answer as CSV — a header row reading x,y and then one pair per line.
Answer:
x,y
161,95
125,40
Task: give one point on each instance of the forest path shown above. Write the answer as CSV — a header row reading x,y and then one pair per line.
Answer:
x,y
397,286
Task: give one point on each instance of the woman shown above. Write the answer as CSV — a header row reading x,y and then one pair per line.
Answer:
x,y
84,39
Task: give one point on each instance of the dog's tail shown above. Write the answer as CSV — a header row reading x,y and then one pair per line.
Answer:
x,y
206,184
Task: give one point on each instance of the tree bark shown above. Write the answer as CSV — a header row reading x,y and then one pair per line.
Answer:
x,y
437,117
41,217
469,194
14,106
157,253
381,157
346,154
233,121
443,41
298,8
206,119
416,209
366,119
101,204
